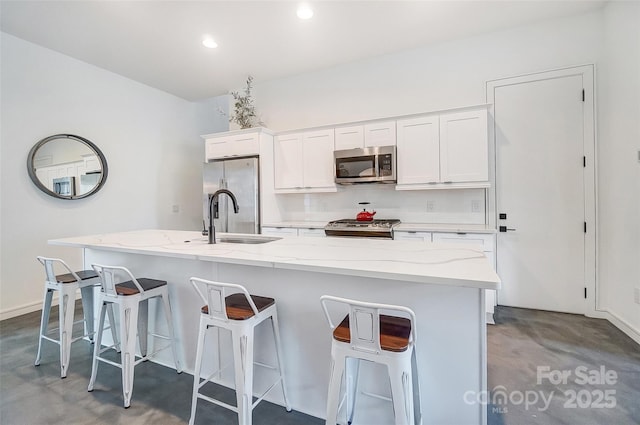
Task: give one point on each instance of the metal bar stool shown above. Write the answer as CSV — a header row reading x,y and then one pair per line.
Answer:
x,y
66,284
239,312
132,298
366,334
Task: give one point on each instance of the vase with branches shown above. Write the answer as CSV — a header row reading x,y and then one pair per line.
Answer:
x,y
244,111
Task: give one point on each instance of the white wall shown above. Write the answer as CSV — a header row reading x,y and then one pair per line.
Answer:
x,y
453,74
150,139
442,76
618,163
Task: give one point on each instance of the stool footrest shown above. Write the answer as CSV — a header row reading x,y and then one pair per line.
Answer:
x,y
218,402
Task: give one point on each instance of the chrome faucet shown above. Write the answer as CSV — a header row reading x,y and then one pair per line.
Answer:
x,y
214,213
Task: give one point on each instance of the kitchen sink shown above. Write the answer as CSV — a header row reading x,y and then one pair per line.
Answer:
x,y
247,240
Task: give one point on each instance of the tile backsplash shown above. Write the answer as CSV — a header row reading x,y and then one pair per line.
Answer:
x,y
463,206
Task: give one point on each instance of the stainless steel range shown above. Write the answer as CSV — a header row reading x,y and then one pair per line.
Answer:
x,y
362,229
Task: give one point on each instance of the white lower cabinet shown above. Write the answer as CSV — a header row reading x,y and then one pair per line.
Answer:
x,y
280,231
303,232
311,233
487,242
406,235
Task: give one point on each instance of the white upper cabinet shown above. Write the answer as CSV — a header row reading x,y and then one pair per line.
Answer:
x,y
351,137
232,145
464,153
303,162
447,150
418,152
381,133
287,161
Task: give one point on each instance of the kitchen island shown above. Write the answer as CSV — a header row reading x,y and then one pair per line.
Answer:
x,y
443,284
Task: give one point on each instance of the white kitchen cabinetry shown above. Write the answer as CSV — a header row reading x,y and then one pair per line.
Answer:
x,y
303,162
230,145
351,137
381,133
448,150
464,154
418,150
410,235
311,233
282,232
487,243
294,232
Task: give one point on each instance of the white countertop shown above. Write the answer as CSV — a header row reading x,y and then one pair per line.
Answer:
x,y
434,263
407,227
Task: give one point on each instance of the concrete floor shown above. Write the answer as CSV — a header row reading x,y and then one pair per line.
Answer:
x,y
519,343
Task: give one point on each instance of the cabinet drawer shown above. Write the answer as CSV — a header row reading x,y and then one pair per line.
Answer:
x,y
404,235
280,231
483,240
311,233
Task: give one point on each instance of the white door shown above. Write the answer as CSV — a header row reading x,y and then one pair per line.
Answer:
x,y
541,139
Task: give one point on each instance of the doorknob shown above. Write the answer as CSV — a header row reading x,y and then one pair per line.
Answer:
x,y
504,229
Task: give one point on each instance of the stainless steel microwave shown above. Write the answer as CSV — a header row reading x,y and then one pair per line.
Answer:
x,y
365,165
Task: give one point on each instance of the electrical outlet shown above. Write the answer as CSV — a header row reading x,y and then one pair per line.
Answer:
x,y
475,206
636,295
431,206
175,208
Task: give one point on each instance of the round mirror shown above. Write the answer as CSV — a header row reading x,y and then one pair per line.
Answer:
x,y
67,166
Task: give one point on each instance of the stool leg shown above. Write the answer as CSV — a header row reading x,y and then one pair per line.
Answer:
x,y
112,325
143,326
44,320
352,372
276,335
243,364
97,345
128,326
197,368
66,310
335,382
87,309
417,404
402,394
174,343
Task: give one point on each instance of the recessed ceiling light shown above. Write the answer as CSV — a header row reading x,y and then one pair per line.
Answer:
x,y
304,11
209,42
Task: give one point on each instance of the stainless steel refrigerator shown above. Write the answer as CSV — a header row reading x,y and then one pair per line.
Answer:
x,y
241,177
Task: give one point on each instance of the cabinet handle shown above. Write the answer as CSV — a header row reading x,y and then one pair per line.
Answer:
x,y
447,182
504,229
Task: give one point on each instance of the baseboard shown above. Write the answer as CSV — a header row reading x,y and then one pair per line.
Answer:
x,y
24,309
625,327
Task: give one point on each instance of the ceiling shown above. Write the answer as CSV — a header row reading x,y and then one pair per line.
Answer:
x,y
158,43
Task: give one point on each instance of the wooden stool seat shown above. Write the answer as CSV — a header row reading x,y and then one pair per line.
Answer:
x,y
130,288
238,308
394,332
82,274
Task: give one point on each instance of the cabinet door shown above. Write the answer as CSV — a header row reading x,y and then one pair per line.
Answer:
x,y
464,146
418,150
232,146
380,134
317,147
350,137
287,161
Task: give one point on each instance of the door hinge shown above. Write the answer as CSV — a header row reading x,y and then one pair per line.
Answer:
x,y
585,227
585,292
583,95
584,161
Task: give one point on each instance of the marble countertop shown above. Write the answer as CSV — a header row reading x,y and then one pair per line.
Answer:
x,y
413,261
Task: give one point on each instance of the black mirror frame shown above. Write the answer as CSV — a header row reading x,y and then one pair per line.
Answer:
x,y
32,170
